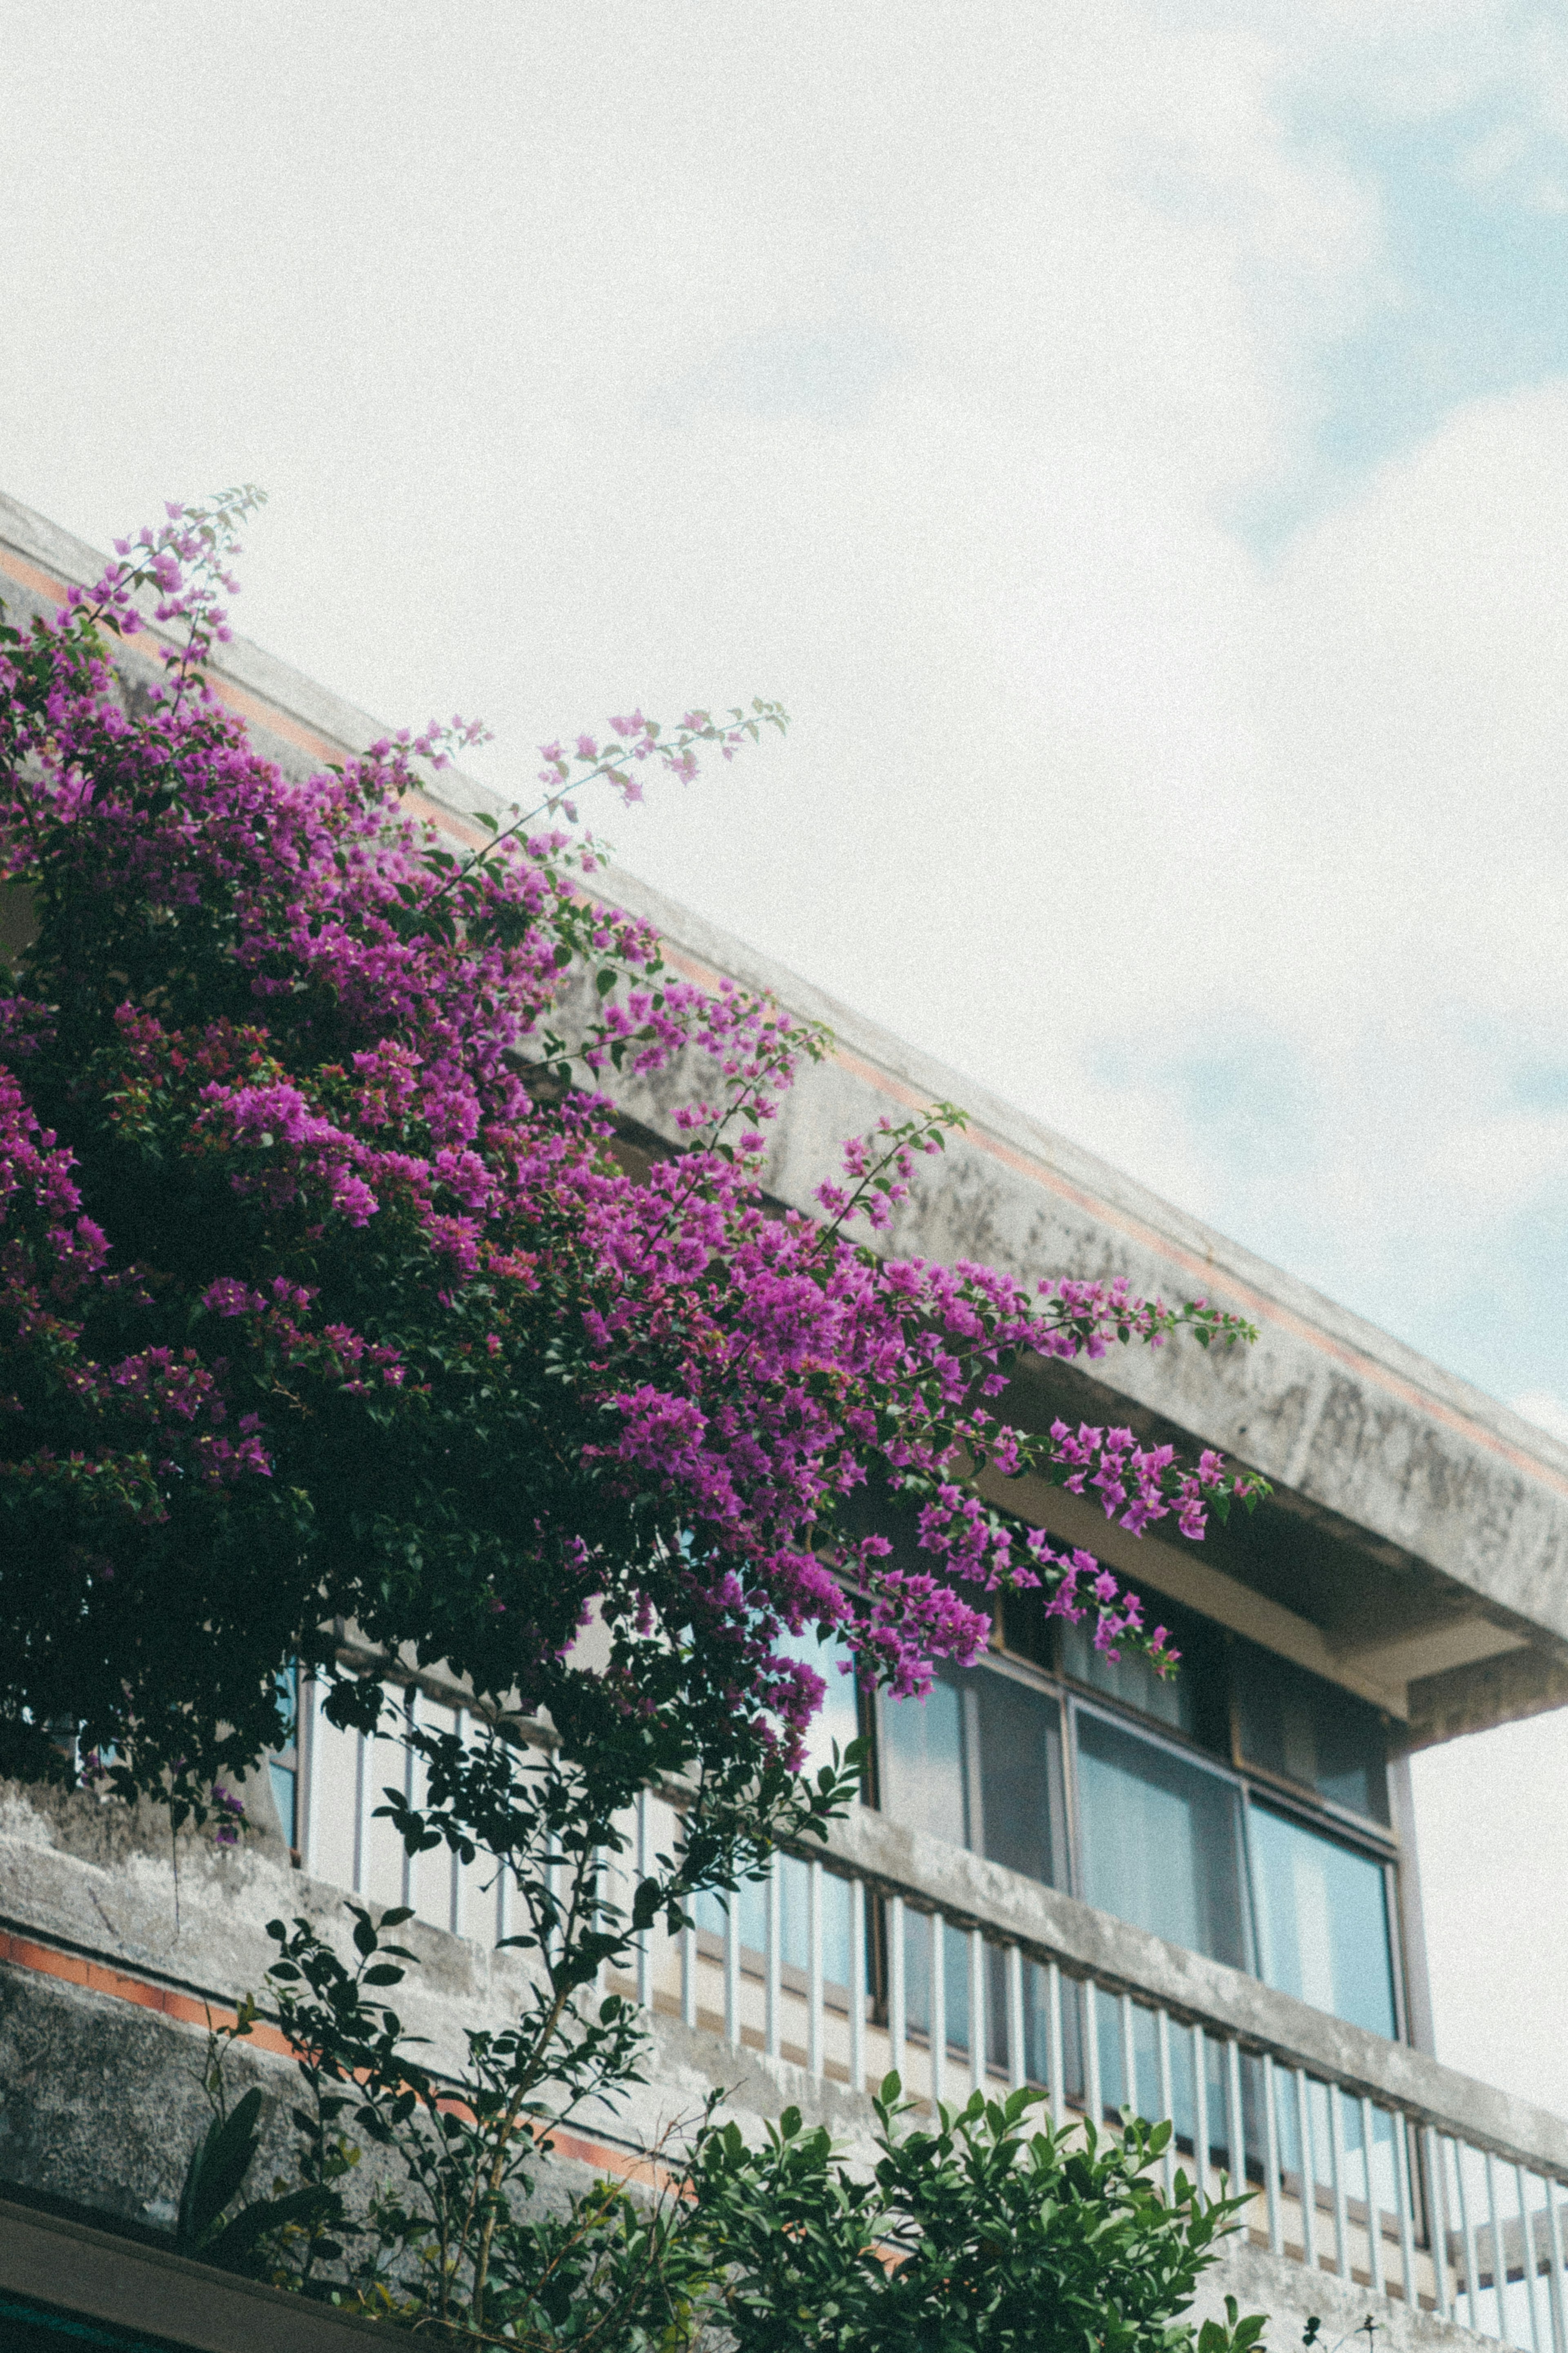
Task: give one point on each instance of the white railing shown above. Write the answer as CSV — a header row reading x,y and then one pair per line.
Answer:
x,y
893,1952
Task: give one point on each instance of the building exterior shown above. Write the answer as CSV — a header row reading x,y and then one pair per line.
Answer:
x,y
1202,1898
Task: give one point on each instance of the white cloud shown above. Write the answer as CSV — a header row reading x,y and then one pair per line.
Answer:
x,y
907,364
822,354
1546,1410
1494,1884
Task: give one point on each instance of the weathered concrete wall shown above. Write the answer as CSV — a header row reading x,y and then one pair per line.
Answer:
x,y
85,1878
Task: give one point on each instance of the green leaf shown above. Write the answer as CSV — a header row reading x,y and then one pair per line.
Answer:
x,y
218,2166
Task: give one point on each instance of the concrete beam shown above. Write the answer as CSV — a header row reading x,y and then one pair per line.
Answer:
x,y
1494,1690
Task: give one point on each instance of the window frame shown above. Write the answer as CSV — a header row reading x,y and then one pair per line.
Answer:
x,y
288,1758
1379,1842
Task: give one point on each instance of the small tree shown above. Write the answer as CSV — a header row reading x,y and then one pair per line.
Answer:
x,y
978,2231
982,2231
324,1299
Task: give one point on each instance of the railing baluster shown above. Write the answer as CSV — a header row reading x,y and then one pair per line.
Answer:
x,y
643,1941
813,1995
1500,2261
1527,2234
1167,2097
1407,2211
600,1881
1200,2109
977,2010
897,2017
1054,2059
1308,2170
1128,2057
459,1725
937,2043
552,1939
1094,2092
689,1974
1337,2183
1018,2058
733,1969
361,1775
410,1787
1235,2126
1373,2211
1272,2176
1554,2250
1468,2230
773,1957
1437,2227
309,1768
857,1985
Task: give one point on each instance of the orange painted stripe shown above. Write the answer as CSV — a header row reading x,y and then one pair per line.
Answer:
x,y
194,2010
28,575
96,1976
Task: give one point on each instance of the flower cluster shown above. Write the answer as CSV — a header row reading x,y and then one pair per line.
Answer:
x,y
325,1291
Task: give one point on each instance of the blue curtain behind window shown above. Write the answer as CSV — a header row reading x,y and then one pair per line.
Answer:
x,y
1160,1841
1323,1922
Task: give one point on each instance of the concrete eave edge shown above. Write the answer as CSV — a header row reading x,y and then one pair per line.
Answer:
x,y
96,2276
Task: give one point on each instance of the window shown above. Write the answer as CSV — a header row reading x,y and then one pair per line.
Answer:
x,y
1322,1921
1293,1723
1160,1838
1193,1701
1023,1812
1177,1823
283,1762
838,1717
926,1761
978,1762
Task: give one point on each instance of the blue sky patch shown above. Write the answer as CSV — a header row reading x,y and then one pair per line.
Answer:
x,y
1469,298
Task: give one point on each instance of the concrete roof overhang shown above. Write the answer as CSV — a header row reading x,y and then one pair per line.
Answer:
x,y
1416,1549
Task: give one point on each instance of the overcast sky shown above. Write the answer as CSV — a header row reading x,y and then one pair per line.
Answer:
x,y
1133,440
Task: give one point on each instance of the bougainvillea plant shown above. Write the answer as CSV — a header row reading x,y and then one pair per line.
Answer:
x,y
326,1302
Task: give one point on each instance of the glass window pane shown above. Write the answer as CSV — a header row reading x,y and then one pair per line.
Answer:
x,y
1294,1723
1323,1922
283,1798
1020,1778
923,1782
1192,1700
1160,1841
838,1717
978,1762
1024,1627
